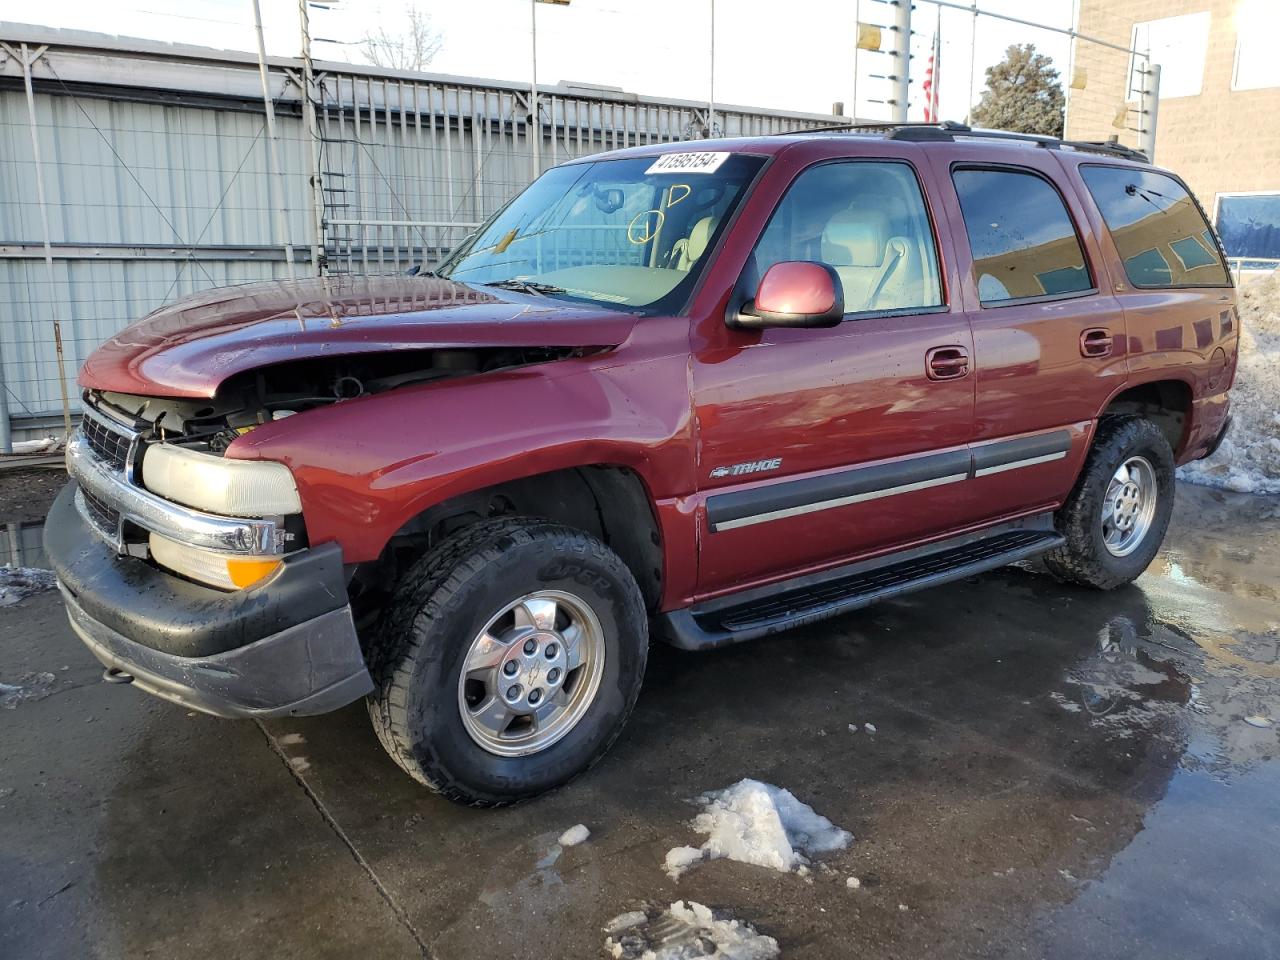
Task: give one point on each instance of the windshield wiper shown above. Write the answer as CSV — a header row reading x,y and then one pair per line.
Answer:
x,y
526,286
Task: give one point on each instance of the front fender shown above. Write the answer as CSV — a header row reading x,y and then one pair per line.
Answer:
x,y
366,467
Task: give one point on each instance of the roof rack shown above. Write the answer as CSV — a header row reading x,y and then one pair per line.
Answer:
x,y
948,130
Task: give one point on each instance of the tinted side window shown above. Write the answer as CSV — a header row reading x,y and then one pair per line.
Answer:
x,y
1024,243
866,219
1162,237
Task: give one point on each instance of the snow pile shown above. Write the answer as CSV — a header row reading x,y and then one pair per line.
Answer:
x,y
757,823
1249,459
574,836
18,583
684,931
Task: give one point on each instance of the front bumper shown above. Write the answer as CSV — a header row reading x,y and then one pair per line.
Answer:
x,y
285,647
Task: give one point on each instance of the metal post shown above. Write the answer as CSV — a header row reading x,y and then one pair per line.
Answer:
x,y
1150,110
711,96
535,121
282,207
6,438
902,69
313,135
15,545
27,60
973,48
857,28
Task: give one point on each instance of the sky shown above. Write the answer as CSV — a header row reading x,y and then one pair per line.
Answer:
x,y
784,54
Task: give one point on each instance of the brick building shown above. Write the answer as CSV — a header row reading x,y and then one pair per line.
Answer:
x,y
1219,110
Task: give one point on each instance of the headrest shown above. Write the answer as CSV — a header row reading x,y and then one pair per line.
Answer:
x,y
699,236
855,238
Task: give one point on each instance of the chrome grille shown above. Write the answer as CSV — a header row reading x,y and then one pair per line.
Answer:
x,y
103,516
108,441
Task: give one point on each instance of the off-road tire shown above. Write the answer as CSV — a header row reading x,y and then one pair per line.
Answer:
x,y
1084,558
442,604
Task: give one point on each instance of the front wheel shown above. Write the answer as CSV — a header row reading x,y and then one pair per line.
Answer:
x,y
508,661
1116,517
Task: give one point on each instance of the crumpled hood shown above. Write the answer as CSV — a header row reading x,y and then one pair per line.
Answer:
x,y
188,348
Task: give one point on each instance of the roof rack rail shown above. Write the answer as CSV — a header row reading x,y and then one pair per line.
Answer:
x,y
948,130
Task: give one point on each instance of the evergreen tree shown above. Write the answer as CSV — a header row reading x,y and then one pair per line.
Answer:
x,y
1023,94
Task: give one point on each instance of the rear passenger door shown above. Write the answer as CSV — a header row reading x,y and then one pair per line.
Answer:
x,y
1048,334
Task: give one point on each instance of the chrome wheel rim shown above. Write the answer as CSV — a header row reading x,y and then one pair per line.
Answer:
x,y
1129,506
531,674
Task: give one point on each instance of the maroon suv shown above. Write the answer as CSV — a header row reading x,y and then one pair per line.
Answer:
x,y
701,391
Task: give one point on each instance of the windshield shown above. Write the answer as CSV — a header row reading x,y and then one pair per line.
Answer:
x,y
624,233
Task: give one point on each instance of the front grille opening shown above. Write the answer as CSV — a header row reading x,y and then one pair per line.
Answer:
x,y
108,445
103,516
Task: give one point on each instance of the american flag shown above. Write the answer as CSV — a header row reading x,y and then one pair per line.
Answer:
x,y
930,80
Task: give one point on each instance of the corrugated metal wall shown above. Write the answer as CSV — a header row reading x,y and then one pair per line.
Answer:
x,y
157,177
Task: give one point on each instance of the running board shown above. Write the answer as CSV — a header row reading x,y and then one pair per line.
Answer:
x,y
794,603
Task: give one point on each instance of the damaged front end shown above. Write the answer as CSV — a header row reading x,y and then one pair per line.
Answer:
x,y
226,612
187,568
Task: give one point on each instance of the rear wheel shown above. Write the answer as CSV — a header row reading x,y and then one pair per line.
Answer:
x,y
1116,517
509,660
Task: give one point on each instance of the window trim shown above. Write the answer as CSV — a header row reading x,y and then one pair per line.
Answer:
x,y
1213,231
1089,265
944,290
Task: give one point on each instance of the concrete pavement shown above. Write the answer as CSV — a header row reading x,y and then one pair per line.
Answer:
x,y
1054,773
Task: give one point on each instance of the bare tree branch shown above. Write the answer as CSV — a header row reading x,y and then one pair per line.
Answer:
x,y
411,49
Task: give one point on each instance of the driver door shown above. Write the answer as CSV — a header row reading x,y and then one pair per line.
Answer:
x,y
817,446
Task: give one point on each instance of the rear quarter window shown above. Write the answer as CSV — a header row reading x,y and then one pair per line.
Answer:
x,y
1159,231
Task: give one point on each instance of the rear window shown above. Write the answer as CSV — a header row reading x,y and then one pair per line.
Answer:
x,y
1023,241
1158,229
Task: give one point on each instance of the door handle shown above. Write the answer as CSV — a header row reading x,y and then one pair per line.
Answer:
x,y
1096,342
947,363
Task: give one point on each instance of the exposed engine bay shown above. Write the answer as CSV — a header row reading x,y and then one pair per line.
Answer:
x,y
250,399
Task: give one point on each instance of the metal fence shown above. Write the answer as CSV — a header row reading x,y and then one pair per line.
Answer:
x,y
154,163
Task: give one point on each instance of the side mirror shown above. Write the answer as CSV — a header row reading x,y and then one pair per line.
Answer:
x,y
794,293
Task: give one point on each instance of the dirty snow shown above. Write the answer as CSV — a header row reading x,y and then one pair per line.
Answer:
x,y
30,686
18,583
680,859
684,931
853,883
28,447
624,920
760,824
574,836
1249,459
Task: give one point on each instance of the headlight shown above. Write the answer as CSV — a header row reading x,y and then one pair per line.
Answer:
x,y
223,570
234,488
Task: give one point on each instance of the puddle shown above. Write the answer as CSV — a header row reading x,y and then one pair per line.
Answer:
x,y
18,583
22,544
1123,681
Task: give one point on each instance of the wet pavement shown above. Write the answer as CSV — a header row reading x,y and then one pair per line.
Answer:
x,y
1054,773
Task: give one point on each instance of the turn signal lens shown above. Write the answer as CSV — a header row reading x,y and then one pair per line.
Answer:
x,y
224,571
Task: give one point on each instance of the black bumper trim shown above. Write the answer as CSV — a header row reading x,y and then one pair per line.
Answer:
x,y
174,616
310,668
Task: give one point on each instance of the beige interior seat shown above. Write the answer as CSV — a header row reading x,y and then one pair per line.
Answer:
x,y
872,265
688,249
